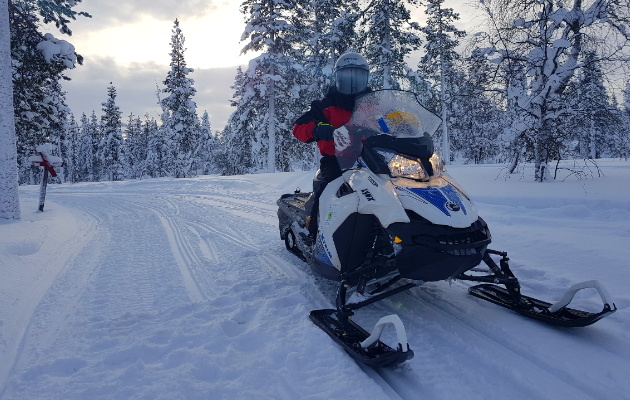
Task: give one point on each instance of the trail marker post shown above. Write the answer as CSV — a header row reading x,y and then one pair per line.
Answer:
x,y
44,159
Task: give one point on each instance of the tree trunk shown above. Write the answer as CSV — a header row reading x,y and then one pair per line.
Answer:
x,y
271,155
592,144
541,150
387,44
9,200
515,160
446,150
445,144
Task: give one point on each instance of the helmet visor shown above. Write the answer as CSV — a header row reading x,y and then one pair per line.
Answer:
x,y
351,80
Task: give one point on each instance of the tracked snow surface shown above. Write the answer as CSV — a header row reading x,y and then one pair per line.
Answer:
x,y
182,289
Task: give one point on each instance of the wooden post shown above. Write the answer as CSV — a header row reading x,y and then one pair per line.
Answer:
x,y
48,162
42,190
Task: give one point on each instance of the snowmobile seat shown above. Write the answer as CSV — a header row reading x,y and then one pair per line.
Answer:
x,y
318,180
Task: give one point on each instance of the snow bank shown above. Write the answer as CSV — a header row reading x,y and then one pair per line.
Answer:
x,y
182,288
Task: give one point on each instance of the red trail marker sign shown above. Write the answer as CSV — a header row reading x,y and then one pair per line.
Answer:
x,y
44,159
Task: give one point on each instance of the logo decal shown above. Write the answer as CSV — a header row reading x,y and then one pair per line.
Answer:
x,y
367,195
330,215
382,124
372,181
451,206
401,117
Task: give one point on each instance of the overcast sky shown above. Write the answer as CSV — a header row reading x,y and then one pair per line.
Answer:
x,y
127,43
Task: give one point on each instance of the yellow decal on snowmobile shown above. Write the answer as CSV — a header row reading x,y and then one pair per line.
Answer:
x,y
403,118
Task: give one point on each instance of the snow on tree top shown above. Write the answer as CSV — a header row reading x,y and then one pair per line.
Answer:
x,y
52,47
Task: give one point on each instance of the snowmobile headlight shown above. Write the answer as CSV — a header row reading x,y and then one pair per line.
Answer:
x,y
438,164
404,167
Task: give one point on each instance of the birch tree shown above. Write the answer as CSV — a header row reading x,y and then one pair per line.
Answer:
x,y
549,39
9,200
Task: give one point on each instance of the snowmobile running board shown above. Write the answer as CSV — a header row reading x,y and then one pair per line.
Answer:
x,y
510,297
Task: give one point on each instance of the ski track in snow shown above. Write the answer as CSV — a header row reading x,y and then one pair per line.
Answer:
x,y
183,289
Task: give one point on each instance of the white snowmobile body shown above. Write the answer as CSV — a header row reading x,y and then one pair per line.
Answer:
x,y
422,220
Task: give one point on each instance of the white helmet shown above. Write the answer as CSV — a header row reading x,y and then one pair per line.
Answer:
x,y
351,73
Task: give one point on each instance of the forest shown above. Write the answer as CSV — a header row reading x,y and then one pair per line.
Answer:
x,y
539,82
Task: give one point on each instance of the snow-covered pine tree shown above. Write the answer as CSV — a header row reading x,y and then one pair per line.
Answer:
x,y
271,83
206,147
135,147
157,149
39,62
594,114
85,153
179,116
98,141
72,148
475,120
387,37
9,200
330,33
55,132
112,154
233,155
437,63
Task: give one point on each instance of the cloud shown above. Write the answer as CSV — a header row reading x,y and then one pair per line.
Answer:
x,y
114,13
136,88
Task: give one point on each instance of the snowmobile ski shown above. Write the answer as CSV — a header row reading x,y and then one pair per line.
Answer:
x,y
540,310
511,297
363,347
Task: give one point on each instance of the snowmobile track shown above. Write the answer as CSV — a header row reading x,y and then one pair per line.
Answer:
x,y
467,327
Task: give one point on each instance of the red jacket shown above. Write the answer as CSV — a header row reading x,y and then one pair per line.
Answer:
x,y
334,109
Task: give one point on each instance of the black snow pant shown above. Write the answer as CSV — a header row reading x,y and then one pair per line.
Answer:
x,y
329,170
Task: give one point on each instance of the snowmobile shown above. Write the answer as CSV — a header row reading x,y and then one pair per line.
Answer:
x,y
395,220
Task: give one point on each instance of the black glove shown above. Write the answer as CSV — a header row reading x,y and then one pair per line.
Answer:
x,y
323,132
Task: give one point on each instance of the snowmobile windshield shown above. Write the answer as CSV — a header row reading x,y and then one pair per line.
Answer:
x,y
394,113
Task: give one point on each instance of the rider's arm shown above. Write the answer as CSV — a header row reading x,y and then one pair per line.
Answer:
x,y
303,129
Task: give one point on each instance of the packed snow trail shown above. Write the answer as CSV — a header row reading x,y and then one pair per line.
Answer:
x,y
182,289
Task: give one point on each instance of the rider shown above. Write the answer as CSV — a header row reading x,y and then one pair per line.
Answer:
x,y
351,74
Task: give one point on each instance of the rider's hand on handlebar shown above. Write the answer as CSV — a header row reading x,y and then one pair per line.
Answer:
x,y
323,131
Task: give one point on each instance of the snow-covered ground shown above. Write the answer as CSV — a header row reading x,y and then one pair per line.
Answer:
x,y
182,289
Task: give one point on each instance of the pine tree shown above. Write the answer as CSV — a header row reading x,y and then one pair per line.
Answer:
x,y
234,153
388,37
330,33
96,134
112,152
207,145
475,122
39,62
85,153
441,41
55,133
136,147
594,108
271,84
157,149
179,117
72,146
